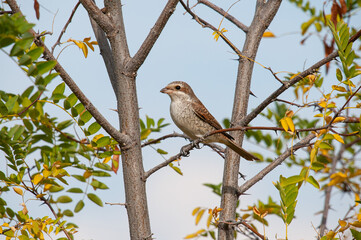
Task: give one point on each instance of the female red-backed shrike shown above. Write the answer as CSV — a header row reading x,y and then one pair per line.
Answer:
x,y
193,118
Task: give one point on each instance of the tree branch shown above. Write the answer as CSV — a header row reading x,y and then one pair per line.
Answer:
x,y
65,27
247,185
122,139
103,20
204,23
225,14
152,37
292,82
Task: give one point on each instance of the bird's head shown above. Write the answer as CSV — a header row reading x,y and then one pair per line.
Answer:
x,y
178,91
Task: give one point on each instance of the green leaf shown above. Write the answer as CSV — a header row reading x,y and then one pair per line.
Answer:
x,y
75,190
68,213
313,181
103,166
70,101
19,130
64,199
94,198
35,53
93,128
79,206
292,180
45,66
98,185
103,141
55,188
84,118
59,90
10,104
160,151
3,109
64,124
79,178
356,234
25,60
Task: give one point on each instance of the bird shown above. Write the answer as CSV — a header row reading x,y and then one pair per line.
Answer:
x,y
193,118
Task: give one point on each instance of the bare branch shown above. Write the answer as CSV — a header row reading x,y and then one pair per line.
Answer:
x,y
304,142
65,27
172,135
121,138
204,23
103,20
228,16
152,37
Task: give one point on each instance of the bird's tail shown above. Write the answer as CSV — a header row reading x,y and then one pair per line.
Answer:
x,y
243,153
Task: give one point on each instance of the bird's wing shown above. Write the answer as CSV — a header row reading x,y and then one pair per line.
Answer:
x,y
201,111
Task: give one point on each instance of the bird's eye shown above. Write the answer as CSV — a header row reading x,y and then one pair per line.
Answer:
x,y
177,87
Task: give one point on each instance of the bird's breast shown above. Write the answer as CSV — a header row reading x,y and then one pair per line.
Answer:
x,y
186,120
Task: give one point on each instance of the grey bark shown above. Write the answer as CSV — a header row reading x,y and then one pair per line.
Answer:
x,y
265,12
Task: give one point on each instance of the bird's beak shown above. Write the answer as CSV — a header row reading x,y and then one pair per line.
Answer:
x,y
165,90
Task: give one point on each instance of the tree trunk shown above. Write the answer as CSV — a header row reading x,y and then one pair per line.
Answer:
x,y
263,17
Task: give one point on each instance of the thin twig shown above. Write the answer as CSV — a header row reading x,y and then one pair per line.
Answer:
x,y
172,135
303,143
225,14
205,24
65,27
242,222
275,75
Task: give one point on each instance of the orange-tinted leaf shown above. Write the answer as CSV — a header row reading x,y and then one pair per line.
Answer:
x,y
38,177
339,88
36,8
268,34
18,190
343,6
195,211
115,162
339,119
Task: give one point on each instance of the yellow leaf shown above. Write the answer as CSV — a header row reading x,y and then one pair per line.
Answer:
x,y
40,195
196,234
338,138
356,224
37,178
199,216
18,190
339,119
313,155
284,124
209,220
87,174
342,223
268,34
330,235
357,199
85,50
46,173
47,186
322,104
195,211
339,88
290,124
107,159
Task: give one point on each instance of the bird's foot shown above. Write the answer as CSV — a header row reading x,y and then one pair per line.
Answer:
x,y
184,151
195,144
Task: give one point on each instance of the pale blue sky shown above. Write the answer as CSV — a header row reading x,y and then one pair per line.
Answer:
x,y
185,52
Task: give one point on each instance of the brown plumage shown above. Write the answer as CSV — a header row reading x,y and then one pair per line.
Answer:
x,y
193,118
